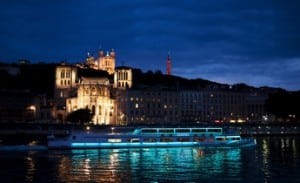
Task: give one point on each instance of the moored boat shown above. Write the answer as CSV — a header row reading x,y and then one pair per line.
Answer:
x,y
151,137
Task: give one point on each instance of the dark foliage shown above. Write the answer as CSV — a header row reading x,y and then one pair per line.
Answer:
x,y
284,104
80,116
37,78
157,78
93,73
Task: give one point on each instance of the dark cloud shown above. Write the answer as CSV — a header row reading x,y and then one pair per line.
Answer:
x,y
255,42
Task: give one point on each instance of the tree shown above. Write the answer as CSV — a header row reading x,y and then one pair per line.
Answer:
x,y
284,105
81,115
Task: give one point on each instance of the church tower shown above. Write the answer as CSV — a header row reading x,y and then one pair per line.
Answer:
x,y
123,77
107,62
100,55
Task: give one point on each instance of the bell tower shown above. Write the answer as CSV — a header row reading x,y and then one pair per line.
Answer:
x,y
107,62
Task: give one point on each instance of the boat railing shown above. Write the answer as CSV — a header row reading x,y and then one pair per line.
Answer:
x,y
179,131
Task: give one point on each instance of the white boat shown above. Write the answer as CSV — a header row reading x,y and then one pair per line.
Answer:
x,y
150,137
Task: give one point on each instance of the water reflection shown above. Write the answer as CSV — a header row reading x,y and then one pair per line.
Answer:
x,y
277,158
144,165
30,169
274,159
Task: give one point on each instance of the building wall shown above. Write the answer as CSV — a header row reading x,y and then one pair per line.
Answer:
x,y
157,106
255,106
191,103
152,106
227,106
221,105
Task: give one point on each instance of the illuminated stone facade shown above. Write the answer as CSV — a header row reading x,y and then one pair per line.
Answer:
x,y
65,80
64,87
94,94
103,62
123,78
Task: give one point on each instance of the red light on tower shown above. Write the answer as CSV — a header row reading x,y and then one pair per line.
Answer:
x,y
169,65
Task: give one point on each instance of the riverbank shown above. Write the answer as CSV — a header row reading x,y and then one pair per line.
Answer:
x,y
64,129
28,133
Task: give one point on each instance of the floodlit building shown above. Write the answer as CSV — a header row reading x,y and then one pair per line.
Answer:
x,y
94,94
64,87
103,62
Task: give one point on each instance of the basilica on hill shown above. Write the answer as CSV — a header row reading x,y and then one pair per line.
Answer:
x,y
103,62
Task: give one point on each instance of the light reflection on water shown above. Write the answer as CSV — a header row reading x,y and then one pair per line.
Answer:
x,y
153,164
274,159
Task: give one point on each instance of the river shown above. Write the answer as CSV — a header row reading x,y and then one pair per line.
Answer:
x,y
273,159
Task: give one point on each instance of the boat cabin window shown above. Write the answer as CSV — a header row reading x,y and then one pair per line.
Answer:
x,y
199,130
219,130
235,138
221,139
182,130
166,131
149,130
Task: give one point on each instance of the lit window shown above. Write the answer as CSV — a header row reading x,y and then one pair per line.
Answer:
x,y
136,105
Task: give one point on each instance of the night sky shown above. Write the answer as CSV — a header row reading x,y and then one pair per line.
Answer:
x,y
255,42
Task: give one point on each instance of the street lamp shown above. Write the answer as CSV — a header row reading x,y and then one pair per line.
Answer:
x,y
112,130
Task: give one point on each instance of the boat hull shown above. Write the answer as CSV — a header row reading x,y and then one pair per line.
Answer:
x,y
150,137
96,145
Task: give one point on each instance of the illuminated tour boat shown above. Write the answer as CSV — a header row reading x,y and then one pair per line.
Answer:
x,y
150,137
